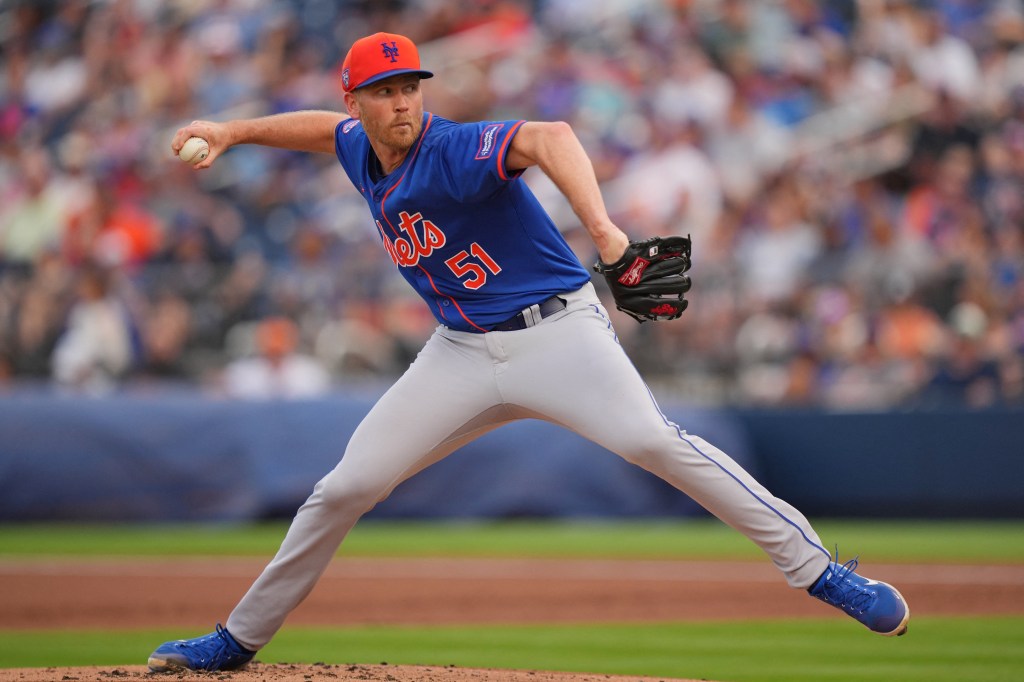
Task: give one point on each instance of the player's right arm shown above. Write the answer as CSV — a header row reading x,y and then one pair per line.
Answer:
x,y
304,131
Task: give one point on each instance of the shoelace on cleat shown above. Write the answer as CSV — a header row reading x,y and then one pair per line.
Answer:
x,y
217,639
844,593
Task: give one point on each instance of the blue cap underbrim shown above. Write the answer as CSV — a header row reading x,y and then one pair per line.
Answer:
x,y
395,72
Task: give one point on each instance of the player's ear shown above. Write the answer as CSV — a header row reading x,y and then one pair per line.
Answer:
x,y
352,104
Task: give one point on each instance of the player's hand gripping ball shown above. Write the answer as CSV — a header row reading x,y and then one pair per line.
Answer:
x,y
650,280
194,150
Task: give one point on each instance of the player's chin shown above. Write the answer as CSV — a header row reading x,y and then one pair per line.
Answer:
x,y
402,136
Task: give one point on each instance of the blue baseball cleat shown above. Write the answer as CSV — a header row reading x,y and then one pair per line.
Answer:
x,y
215,651
879,606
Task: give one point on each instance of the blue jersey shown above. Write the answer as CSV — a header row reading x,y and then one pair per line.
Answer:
x,y
469,237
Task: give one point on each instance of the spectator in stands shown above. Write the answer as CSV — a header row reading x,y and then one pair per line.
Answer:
x,y
97,348
707,104
774,254
966,373
277,370
115,231
33,334
165,333
34,221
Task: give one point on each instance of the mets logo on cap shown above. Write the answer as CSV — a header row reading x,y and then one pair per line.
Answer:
x,y
377,57
390,51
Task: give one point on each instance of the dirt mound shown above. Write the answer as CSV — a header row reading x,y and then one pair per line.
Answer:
x,y
284,672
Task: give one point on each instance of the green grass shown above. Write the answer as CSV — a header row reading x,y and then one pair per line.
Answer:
x,y
935,650
908,541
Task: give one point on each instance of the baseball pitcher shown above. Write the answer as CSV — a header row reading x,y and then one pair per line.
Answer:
x,y
521,334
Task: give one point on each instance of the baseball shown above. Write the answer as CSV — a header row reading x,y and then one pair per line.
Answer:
x,y
194,150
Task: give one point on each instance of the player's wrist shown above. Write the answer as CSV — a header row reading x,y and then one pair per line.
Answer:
x,y
611,245
236,132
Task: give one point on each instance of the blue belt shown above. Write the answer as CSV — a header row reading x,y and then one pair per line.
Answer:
x,y
531,316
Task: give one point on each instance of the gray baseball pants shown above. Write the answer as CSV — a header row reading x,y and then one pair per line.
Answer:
x,y
568,369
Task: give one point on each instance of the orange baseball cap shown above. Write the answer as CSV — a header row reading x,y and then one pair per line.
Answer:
x,y
377,57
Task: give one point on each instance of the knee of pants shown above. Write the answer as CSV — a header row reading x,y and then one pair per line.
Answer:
x,y
649,448
357,493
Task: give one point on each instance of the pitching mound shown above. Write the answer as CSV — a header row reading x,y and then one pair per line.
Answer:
x,y
283,672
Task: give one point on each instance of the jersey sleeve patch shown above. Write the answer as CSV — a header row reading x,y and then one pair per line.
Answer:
x,y
488,141
349,125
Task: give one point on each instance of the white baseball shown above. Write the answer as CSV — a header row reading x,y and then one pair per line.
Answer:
x,y
194,150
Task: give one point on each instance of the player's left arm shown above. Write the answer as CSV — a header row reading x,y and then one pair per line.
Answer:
x,y
555,149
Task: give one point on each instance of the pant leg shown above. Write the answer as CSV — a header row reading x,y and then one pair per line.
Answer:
x,y
572,371
445,399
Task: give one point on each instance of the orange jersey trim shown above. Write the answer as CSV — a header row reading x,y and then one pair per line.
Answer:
x,y
504,149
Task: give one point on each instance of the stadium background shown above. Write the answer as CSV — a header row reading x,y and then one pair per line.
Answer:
x,y
852,174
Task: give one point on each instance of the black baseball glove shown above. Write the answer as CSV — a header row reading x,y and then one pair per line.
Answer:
x,y
649,281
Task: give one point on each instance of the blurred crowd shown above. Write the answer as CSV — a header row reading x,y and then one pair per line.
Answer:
x,y
851,172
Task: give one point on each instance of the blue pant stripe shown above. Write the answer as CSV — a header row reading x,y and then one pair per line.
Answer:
x,y
711,459
733,476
